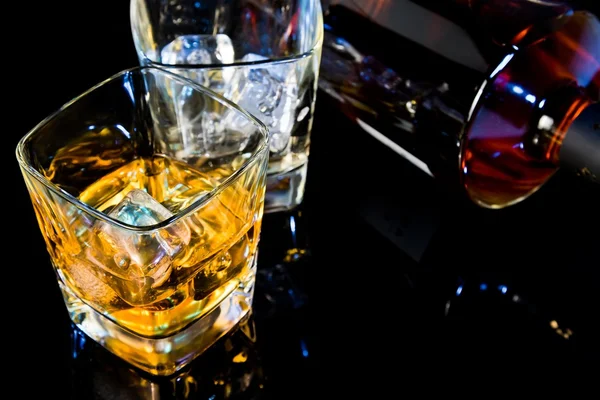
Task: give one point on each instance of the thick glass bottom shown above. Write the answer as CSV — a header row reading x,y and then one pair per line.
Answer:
x,y
160,356
285,190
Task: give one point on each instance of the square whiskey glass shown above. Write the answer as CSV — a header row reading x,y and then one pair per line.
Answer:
x,y
152,230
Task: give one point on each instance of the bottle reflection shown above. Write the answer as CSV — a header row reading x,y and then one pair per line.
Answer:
x,y
231,369
525,318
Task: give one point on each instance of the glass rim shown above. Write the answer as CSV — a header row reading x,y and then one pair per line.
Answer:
x,y
316,46
237,64
27,167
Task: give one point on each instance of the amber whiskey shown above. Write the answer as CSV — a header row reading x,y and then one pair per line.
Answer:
x,y
177,241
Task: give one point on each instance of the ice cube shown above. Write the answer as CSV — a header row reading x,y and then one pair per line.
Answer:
x,y
198,49
213,135
269,92
144,258
205,50
206,133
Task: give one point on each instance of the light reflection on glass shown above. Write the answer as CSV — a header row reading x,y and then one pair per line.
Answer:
x,y
459,290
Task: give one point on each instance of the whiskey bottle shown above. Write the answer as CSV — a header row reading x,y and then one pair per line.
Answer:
x,y
491,95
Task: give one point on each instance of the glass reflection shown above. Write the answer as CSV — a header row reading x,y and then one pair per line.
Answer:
x,y
231,369
284,256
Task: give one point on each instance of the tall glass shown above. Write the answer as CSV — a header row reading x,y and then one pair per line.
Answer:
x,y
263,55
152,232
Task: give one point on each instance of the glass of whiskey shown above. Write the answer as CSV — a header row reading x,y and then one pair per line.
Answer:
x,y
262,55
149,191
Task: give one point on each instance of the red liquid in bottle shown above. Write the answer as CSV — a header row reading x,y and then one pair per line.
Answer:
x,y
511,144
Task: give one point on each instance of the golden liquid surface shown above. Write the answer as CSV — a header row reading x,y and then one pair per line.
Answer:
x,y
157,282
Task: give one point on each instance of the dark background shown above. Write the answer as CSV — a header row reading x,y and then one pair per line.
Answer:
x,y
381,314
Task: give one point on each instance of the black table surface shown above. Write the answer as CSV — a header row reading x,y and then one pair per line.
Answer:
x,y
380,285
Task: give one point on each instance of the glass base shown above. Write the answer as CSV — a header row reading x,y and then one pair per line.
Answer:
x,y
285,191
160,356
